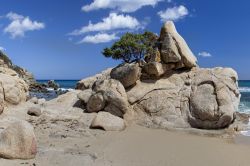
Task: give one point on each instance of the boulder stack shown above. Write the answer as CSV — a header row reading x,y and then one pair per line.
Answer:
x,y
157,93
174,49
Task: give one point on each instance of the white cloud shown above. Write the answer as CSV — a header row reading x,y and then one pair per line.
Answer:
x,y
14,16
120,5
173,14
204,54
20,24
112,22
99,38
2,48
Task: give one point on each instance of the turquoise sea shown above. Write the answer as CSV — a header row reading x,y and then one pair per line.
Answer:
x,y
245,96
243,85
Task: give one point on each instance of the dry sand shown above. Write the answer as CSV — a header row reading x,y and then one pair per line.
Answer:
x,y
137,146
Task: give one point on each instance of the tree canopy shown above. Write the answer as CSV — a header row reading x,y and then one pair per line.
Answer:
x,y
132,47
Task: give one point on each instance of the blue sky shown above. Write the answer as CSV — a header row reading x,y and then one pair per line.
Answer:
x,y
62,39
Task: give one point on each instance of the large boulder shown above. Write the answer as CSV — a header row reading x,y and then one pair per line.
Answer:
x,y
126,73
17,140
108,95
88,82
214,99
96,103
165,101
174,48
108,122
201,98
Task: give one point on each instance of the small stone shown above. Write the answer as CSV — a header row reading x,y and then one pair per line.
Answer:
x,y
34,111
34,100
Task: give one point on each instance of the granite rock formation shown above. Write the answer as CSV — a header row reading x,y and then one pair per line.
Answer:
x,y
172,92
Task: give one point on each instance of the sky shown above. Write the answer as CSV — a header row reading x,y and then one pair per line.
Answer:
x,y
62,39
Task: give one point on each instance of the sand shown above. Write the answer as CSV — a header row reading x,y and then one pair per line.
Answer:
x,y
137,146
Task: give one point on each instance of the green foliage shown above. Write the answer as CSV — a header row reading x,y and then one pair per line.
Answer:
x,y
132,47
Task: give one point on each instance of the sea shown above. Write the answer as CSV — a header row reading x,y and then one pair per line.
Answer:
x,y
65,86
244,86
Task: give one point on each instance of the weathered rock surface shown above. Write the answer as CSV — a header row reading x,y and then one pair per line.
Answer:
x,y
96,103
108,122
156,57
155,69
14,90
126,73
88,82
7,67
214,99
85,95
108,95
17,140
174,48
202,98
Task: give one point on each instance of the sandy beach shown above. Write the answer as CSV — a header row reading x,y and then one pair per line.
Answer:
x,y
137,146
124,83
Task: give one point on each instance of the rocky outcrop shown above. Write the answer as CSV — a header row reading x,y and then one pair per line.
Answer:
x,y
88,82
159,94
7,67
201,98
126,73
52,84
17,140
13,83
